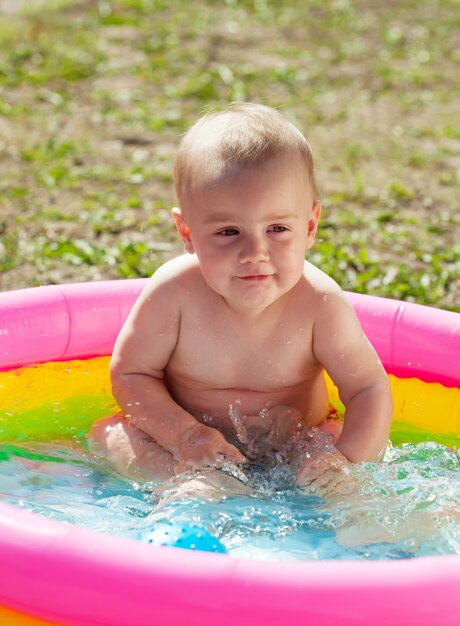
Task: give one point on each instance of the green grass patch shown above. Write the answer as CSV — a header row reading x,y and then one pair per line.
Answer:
x,y
95,97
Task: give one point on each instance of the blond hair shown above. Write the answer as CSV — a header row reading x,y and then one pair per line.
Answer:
x,y
243,135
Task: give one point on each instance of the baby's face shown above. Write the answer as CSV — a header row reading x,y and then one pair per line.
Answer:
x,y
250,231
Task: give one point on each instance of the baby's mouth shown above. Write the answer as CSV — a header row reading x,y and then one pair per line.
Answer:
x,y
255,277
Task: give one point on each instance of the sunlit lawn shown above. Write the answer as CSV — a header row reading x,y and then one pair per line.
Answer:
x,y
95,95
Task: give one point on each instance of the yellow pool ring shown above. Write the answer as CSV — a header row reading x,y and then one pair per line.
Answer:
x,y
8,617
61,399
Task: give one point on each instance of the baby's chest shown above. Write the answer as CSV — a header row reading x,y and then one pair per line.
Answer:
x,y
215,354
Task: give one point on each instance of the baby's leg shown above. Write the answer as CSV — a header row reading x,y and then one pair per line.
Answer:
x,y
208,484
129,451
363,530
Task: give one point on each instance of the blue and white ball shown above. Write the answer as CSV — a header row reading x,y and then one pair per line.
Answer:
x,y
188,536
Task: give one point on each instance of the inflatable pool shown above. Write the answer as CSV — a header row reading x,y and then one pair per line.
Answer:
x,y
55,573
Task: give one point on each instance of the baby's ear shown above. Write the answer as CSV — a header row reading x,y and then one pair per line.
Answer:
x,y
182,229
313,222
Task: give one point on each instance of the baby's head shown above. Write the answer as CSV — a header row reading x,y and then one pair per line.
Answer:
x,y
226,143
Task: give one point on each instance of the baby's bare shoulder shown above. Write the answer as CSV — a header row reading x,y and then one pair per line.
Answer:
x,y
322,296
176,275
180,268
317,284
171,286
332,313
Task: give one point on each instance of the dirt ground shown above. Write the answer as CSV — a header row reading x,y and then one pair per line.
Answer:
x,y
85,163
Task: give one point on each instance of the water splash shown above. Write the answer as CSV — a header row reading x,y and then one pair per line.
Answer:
x,y
269,435
407,506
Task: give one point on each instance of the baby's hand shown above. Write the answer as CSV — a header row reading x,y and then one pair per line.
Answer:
x,y
202,446
327,473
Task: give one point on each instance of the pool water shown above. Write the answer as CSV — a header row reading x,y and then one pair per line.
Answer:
x,y
405,507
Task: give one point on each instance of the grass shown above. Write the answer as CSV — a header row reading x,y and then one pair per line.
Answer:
x,y
95,95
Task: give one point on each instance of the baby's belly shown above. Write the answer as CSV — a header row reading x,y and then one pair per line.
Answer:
x,y
216,407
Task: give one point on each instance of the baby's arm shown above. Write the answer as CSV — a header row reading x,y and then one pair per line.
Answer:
x,y
140,356
342,348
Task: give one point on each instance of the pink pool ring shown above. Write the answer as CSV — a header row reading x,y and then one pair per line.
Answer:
x,y
55,573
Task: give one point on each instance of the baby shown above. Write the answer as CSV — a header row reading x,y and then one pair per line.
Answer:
x,y
242,326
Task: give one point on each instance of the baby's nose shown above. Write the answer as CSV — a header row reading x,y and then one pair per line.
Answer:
x,y
254,250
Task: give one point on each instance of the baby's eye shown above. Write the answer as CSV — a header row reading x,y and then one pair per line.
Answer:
x,y
228,232
277,228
